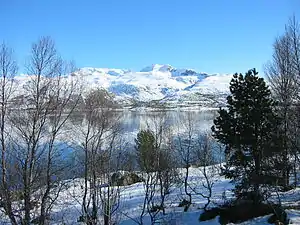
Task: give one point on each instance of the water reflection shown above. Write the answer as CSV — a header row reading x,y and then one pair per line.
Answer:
x,y
131,122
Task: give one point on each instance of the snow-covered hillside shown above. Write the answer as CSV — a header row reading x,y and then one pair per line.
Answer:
x,y
158,83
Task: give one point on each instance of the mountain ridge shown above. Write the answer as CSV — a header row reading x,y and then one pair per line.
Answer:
x,y
152,85
157,82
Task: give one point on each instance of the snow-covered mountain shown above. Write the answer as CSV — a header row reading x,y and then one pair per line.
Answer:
x,y
159,83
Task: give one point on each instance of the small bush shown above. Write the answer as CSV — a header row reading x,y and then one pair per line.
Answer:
x,y
279,216
156,208
243,212
185,203
287,188
117,179
209,214
240,212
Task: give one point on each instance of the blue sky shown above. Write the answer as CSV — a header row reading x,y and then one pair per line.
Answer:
x,y
214,36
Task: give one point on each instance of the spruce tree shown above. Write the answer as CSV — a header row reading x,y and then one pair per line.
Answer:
x,y
147,152
247,127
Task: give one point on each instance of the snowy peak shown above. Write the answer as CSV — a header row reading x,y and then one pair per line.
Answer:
x,y
157,68
166,68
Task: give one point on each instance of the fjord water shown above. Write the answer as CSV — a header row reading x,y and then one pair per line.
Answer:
x,y
175,120
130,122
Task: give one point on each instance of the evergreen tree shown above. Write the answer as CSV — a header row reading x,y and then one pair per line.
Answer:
x,y
147,152
247,128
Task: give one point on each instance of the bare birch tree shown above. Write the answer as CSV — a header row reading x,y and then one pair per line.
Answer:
x,y
99,137
283,73
184,145
207,166
8,70
45,95
62,104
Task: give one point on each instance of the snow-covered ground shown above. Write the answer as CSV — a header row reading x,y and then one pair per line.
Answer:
x,y
68,209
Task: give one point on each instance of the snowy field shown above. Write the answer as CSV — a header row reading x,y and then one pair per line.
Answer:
x,y
68,207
